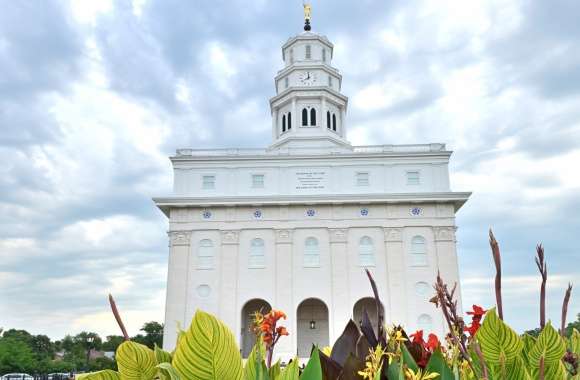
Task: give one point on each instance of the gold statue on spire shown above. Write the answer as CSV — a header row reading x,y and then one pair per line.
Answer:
x,y
307,10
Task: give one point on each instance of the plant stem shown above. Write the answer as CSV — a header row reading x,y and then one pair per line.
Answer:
x,y
477,349
543,268
565,309
118,317
497,261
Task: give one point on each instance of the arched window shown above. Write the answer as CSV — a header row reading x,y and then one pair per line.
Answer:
x,y
334,122
308,52
366,252
257,257
312,116
205,254
289,120
425,323
304,116
283,123
418,251
328,119
311,253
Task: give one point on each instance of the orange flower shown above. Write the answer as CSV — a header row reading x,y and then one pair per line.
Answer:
x,y
432,342
281,331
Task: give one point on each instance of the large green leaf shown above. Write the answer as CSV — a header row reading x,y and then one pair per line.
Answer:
x,y
313,370
517,370
207,351
275,370
292,371
555,371
529,342
575,342
161,356
438,364
549,347
255,368
500,344
169,371
107,374
136,361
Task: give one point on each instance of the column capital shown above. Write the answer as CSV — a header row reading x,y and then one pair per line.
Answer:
x,y
179,238
283,236
445,233
338,235
230,237
393,234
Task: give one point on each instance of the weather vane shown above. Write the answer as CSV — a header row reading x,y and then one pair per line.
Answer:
x,y
307,15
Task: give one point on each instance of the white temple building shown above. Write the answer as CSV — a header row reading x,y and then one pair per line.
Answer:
x,y
292,226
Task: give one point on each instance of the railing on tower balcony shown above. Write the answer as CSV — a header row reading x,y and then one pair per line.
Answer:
x,y
362,149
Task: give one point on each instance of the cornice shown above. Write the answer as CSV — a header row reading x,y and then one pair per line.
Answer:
x,y
458,199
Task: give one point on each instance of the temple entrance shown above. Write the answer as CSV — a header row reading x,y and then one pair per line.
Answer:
x,y
248,339
312,326
368,304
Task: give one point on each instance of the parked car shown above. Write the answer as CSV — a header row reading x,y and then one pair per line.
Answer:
x,y
17,376
59,376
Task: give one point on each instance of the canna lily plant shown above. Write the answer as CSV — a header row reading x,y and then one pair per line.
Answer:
x,y
486,348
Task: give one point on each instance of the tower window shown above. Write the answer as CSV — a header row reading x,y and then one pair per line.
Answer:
x,y
362,179
329,81
413,178
334,122
311,253
313,117
304,116
257,255
323,55
366,252
308,52
328,119
258,181
289,120
283,123
291,56
286,82
208,182
205,254
418,252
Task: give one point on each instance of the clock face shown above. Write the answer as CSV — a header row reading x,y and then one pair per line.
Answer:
x,y
308,78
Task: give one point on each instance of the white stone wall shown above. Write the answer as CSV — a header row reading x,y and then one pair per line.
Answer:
x,y
339,281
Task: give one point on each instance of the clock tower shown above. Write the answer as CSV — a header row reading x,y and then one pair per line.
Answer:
x,y
308,109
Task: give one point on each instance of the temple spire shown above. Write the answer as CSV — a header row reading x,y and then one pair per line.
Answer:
x,y
307,15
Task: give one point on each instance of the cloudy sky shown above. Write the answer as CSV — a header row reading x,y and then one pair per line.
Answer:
x,y
95,94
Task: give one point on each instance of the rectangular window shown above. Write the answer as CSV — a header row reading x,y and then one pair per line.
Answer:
x,y
308,51
286,82
413,178
330,81
323,55
208,182
362,179
258,181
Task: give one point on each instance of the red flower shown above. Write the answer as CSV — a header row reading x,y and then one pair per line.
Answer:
x,y
281,331
418,337
432,342
477,314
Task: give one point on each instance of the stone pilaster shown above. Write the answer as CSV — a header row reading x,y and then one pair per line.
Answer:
x,y
228,308
396,275
283,300
176,307
340,305
445,247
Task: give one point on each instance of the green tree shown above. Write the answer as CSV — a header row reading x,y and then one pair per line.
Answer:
x,y
153,334
16,356
112,342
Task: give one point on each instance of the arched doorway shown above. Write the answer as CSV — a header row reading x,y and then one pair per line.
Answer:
x,y
248,338
312,326
368,304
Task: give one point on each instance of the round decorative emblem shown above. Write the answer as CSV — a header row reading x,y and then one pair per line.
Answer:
x,y
364,212
203,291
206,214
416,211
310,212
258,214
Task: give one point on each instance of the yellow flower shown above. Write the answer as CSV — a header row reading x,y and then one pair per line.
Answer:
x,y
327,351
419,375
399,336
